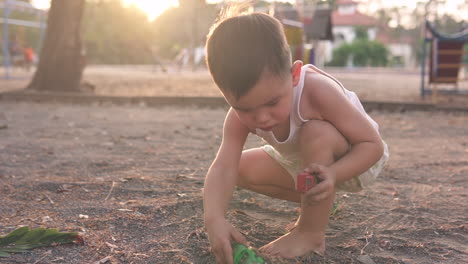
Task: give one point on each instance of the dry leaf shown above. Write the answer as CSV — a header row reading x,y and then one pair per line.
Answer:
x,y
111,245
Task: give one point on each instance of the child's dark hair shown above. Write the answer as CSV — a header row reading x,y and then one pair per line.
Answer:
x,y
240,49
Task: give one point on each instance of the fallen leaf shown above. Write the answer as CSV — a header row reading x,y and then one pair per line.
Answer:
x,y
111,245
105,260
365,259
128,202
65,188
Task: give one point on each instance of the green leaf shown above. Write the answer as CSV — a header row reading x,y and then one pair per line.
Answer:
x,y
14,250
23,239
53,236
13,236
32,237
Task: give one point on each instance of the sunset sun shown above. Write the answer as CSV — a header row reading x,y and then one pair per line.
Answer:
x,y
151,7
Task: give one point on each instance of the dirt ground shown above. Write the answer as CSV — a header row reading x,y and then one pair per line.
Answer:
x,y
129,179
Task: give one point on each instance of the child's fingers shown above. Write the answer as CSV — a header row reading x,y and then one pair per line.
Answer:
x,y
314,167
227,250
321,196
219,256
317,169
317,189
221,250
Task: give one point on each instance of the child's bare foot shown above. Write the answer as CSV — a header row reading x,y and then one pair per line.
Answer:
x,y
296,244
289,227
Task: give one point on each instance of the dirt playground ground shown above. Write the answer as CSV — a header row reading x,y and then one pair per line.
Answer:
x,y
129,180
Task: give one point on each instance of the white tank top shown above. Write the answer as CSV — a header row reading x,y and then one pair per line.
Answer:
x,y
289,147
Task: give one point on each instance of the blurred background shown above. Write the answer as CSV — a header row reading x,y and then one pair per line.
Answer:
x,y
159,45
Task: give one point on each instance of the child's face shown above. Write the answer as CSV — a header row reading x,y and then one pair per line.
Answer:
x,y
267,104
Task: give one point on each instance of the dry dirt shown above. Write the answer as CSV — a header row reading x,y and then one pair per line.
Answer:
x,y
135,175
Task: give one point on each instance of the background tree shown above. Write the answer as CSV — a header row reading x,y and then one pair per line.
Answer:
x,y
362,52
176,28
62,61
330,3
107,40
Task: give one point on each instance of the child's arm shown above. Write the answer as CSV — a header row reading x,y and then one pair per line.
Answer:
x,y
328,102
219,185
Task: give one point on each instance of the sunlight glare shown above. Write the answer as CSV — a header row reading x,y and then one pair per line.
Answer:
x,y
152,8
42,4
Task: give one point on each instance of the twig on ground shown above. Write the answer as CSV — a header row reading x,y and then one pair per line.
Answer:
x,y
176,250
110,191
175,223
97,250
105,260
367,241
362,249
48,198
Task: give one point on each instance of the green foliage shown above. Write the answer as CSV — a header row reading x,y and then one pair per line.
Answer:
x,y
341,55
24,239
361,33
181,27
335,208
114,33
330,3
119,34
362,51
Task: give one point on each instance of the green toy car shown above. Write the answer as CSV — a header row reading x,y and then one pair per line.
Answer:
x,y
245,255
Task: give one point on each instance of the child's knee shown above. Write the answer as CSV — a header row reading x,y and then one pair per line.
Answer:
x,y
246,175
322,137
244,178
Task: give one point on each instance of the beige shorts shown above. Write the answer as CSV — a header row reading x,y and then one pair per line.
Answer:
x,y
293,166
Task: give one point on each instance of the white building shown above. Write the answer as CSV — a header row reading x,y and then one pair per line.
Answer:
x,y
345,20
400,49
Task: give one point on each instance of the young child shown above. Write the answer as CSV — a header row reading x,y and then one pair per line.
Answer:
x,y
310,121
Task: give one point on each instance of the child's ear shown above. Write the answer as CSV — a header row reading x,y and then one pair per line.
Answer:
x,y
296,72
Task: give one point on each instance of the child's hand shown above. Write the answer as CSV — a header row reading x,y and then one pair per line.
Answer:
x,y
220,233
325,188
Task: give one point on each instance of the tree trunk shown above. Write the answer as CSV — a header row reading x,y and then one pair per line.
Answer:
x,y
62,58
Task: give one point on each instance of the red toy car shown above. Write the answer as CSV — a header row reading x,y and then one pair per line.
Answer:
x,y
306,180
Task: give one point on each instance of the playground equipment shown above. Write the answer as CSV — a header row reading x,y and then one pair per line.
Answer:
x,y
294,32
447,57
8,7
302,35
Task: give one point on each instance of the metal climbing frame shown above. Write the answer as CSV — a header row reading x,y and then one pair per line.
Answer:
x,y
446,58
12,5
